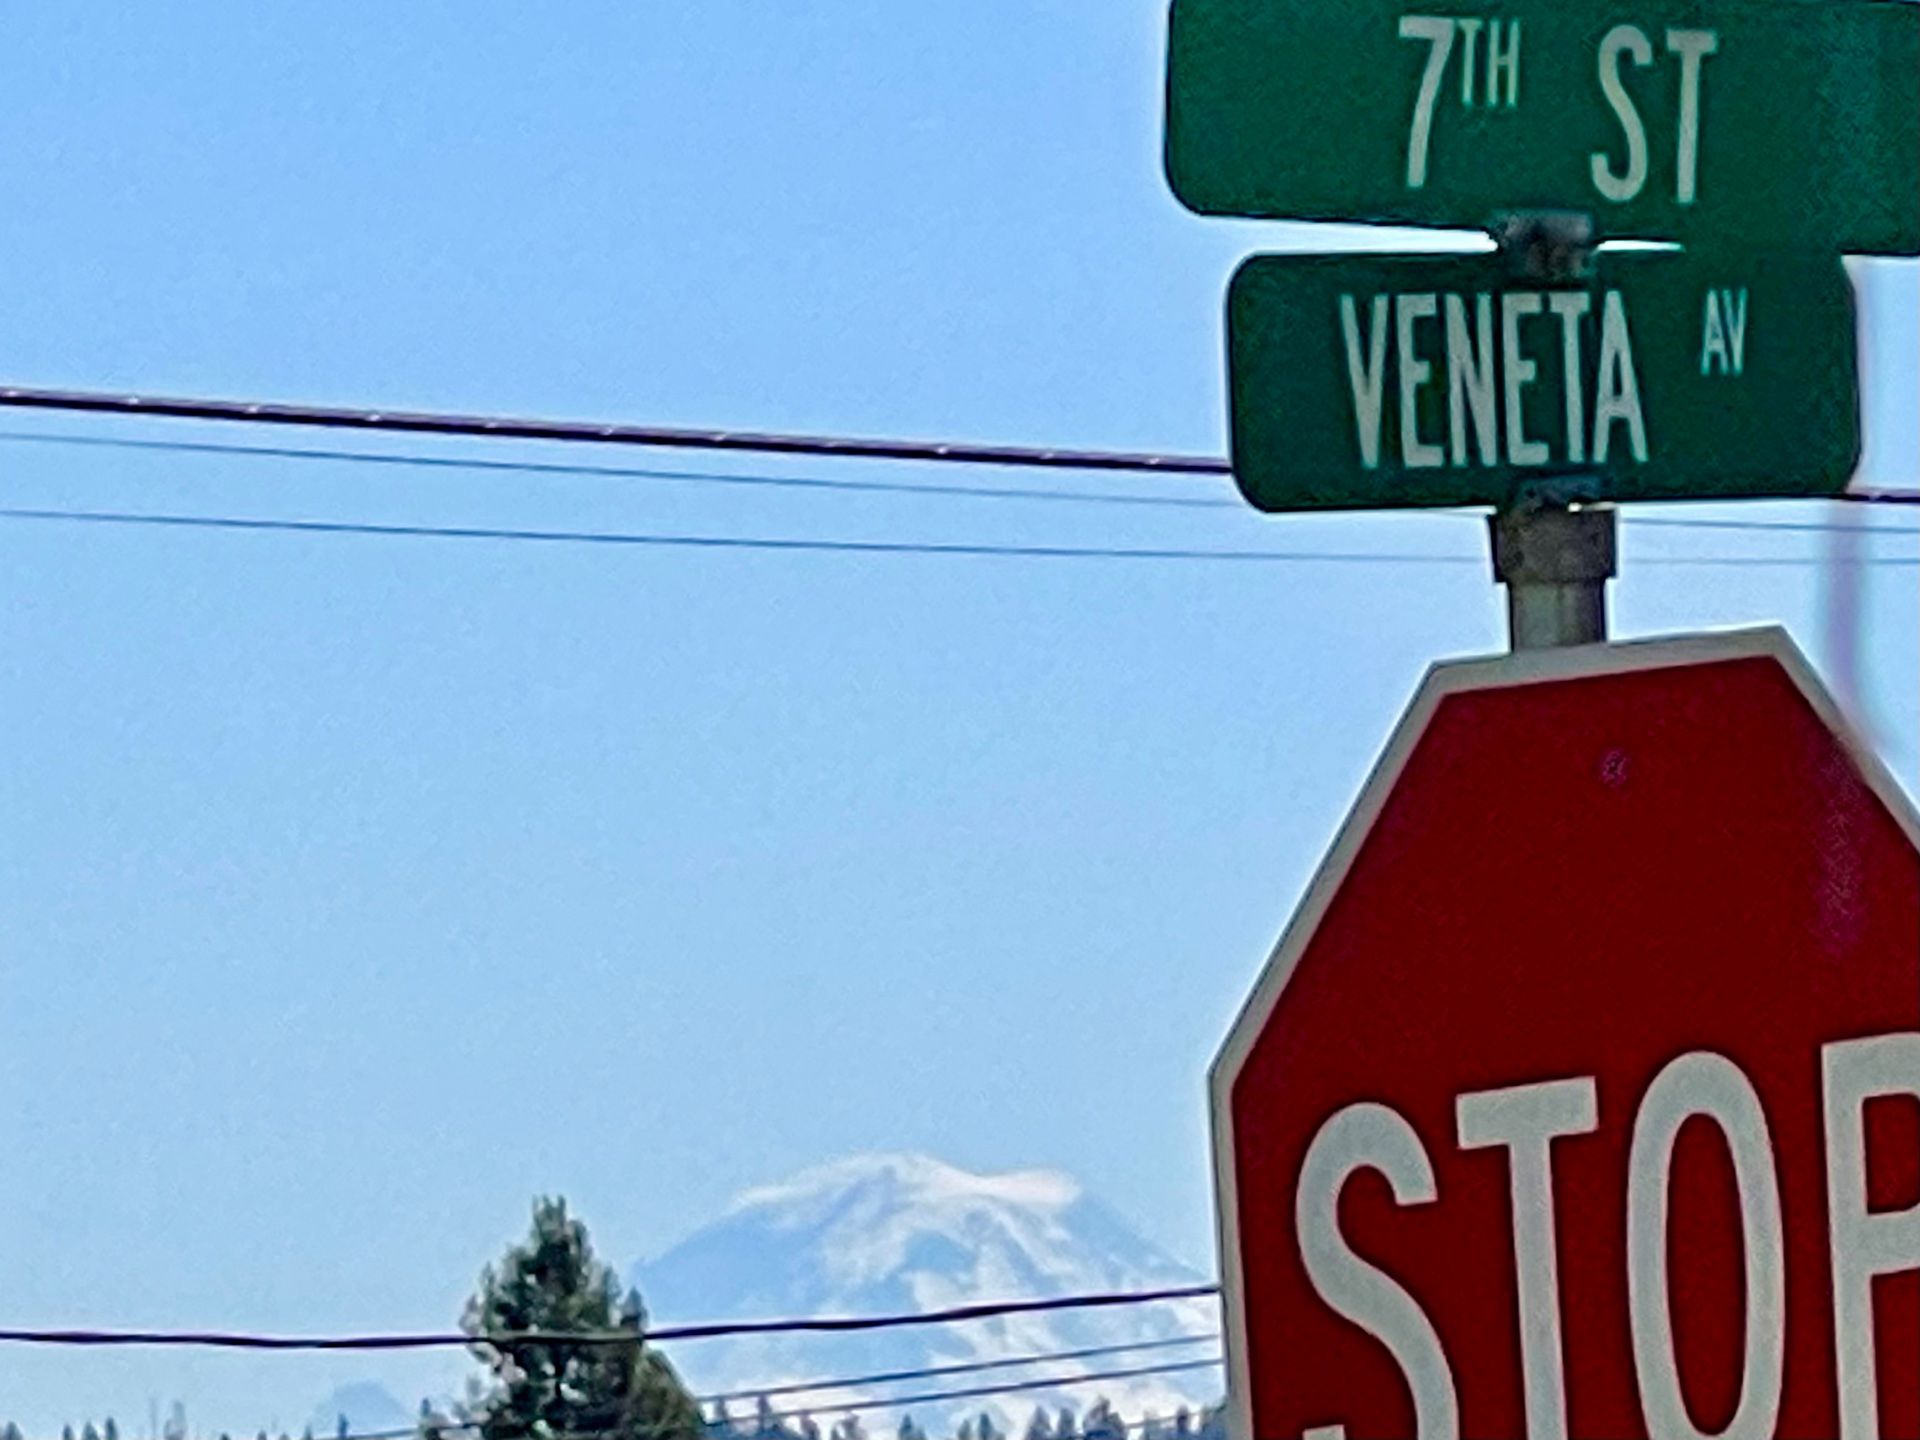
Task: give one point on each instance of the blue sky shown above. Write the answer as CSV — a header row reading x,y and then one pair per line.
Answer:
x,y
352,891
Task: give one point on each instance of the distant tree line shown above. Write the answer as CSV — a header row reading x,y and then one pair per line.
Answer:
x,y
1100,1422
762,1422
175,1428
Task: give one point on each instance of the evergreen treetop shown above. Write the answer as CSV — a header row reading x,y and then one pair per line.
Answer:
x,y
617,1388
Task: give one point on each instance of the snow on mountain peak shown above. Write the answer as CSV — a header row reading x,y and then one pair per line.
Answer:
x,y
886,1233
919,1179
861,1220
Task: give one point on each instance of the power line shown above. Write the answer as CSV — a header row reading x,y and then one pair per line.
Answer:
x,y
1769,562
429,1340
724,542
506,427
971,1392
1011,1388
815,482
1112,1424
928,1372
421,422
447,1427
1045,1382
971,1367
1099,1300
450,1427
837,546
622,472
1802,527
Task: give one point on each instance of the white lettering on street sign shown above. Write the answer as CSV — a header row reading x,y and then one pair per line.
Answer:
x,y
1490,76
1461,347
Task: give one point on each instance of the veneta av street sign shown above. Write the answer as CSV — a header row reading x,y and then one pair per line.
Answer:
x,y
1774,123
1581,1098
1404,380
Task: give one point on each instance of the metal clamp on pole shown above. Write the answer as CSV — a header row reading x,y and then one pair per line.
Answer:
x,y
1555,562
1554,559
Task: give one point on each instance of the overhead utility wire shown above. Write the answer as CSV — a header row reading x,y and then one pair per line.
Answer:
x,y
1112,1424
836,546
500,426
817,482
971,1367
415,1432
1010,1388
421,422
930,1372
430,1340
929,1397
1802,527
624,472
726,542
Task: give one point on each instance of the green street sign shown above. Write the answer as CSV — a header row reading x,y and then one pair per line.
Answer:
x,y
1365,380
1767,123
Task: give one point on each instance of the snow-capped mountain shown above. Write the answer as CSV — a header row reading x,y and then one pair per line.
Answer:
x,y
362,1405
898,1233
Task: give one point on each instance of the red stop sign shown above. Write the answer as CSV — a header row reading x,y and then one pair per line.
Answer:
x,y
1582,1096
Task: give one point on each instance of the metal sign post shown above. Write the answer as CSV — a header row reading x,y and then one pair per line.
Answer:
x,y
1554,560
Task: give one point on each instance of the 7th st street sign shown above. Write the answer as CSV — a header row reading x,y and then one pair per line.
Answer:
x,y
1763,122
1365,380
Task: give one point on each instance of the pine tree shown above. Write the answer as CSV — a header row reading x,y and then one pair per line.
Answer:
x,y
431,1424
809,1429
985,1431
1040,1427
112,1431
620,1390
1064,1428
87,1432
1102,1424
909,1430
